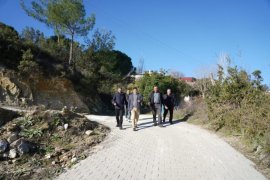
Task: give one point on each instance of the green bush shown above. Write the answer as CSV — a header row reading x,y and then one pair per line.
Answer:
x,y
240,104
148,81
28,66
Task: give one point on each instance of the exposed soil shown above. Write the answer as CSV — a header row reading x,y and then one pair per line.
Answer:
x,y
56,148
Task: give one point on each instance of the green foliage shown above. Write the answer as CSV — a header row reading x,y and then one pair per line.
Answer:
x,y
239,104
148,81
30,133
10,46
64,16
102,41
28,66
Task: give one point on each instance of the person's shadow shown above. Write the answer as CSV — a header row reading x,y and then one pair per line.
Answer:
x,y
184,119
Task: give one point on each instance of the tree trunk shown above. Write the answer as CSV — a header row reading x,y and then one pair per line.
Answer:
x,y
71,51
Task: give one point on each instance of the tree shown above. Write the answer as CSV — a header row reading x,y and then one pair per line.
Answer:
x,y
65,16
30,35
102,40
28,67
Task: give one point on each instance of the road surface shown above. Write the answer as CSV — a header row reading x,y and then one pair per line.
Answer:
x,y
178,151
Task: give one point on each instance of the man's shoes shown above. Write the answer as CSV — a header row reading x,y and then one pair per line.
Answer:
x,y
171,122
120,127
163,121
117,125
155,124
160,125
134,129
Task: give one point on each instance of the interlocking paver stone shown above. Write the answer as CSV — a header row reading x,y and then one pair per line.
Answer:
x,y
178,151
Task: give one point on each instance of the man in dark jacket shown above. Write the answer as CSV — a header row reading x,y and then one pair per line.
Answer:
x,y
119,101
156,101
169,101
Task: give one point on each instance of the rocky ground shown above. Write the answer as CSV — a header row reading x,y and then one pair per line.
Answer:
x,y
40,144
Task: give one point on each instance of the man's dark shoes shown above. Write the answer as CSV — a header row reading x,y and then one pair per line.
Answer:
x,y
155,124
134,129
117,125
120,127
163,121
171,122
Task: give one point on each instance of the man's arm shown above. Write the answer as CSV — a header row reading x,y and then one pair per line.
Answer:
x,y
114,99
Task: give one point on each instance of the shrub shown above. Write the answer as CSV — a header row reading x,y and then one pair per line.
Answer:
x,y
28,66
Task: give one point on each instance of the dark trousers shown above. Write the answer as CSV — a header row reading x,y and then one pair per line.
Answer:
x,y
156,110
166,112
119,116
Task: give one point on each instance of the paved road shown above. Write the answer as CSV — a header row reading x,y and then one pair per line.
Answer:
x,y
179,151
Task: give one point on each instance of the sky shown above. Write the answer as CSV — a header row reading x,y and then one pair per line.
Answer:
x,y
181,35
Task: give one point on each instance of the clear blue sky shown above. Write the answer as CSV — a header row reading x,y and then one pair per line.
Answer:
x,y
185,35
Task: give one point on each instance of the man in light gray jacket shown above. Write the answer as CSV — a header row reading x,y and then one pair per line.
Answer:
x,y
134,105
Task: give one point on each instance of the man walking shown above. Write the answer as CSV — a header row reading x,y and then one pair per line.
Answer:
x,y
169,101
156,101
134,102
119,101
127,111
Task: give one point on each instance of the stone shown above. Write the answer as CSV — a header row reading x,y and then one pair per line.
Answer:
x,y
13,137
60,128
53,162
6,116
88,132
16,143
48,156
74,160
12,154
3,145
65,126
23,148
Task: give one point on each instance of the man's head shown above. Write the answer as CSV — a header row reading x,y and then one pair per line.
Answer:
x,y
155,89
169,91
135,90
119,90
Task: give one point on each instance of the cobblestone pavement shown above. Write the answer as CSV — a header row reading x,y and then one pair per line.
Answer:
x,y
178,151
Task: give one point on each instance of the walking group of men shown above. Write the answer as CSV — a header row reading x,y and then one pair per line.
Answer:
x,y
131,105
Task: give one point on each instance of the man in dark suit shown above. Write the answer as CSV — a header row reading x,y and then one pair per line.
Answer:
x,y
119,101
169,101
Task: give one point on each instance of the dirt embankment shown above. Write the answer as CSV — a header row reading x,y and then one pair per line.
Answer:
x,y
52,93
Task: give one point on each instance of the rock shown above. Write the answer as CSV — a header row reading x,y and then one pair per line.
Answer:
x,y
6,116
23,148
3,145
60,128
63,158
16,143
12,154
73,160
53,162
65,126
88,132
5,155
258,150
48,156
13,137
